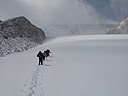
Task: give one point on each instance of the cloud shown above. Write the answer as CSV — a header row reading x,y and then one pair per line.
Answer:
x,y
47,11
110,9
61,11
52,11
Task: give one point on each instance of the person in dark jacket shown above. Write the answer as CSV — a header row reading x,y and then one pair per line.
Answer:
x,y
41,57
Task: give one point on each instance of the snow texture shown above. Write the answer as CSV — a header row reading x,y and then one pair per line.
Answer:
x,y
94,65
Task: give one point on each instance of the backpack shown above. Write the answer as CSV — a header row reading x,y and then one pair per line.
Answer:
x,y
39,55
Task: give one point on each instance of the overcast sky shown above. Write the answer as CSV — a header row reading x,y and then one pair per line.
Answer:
x,y
42,12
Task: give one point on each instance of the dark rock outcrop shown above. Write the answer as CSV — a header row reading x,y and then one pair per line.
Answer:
x,y
18,34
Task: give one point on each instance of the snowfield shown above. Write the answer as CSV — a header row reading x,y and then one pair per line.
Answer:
x,y
89,65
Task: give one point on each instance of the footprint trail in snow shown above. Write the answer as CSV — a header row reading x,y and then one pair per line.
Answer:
x,y
34,84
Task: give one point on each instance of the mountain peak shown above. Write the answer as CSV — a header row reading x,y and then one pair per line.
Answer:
x,y
19,34
21,20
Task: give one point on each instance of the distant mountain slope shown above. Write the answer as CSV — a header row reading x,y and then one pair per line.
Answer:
x,y
18,34
121,28
78,29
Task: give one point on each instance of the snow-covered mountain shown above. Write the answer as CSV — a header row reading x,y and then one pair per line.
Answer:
x,y
78,29
121,28
18,34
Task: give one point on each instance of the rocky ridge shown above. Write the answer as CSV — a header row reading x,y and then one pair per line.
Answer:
x,y
121,28
19,34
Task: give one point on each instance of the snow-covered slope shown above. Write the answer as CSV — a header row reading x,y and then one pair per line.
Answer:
x,y
79,66
18,34
121,28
